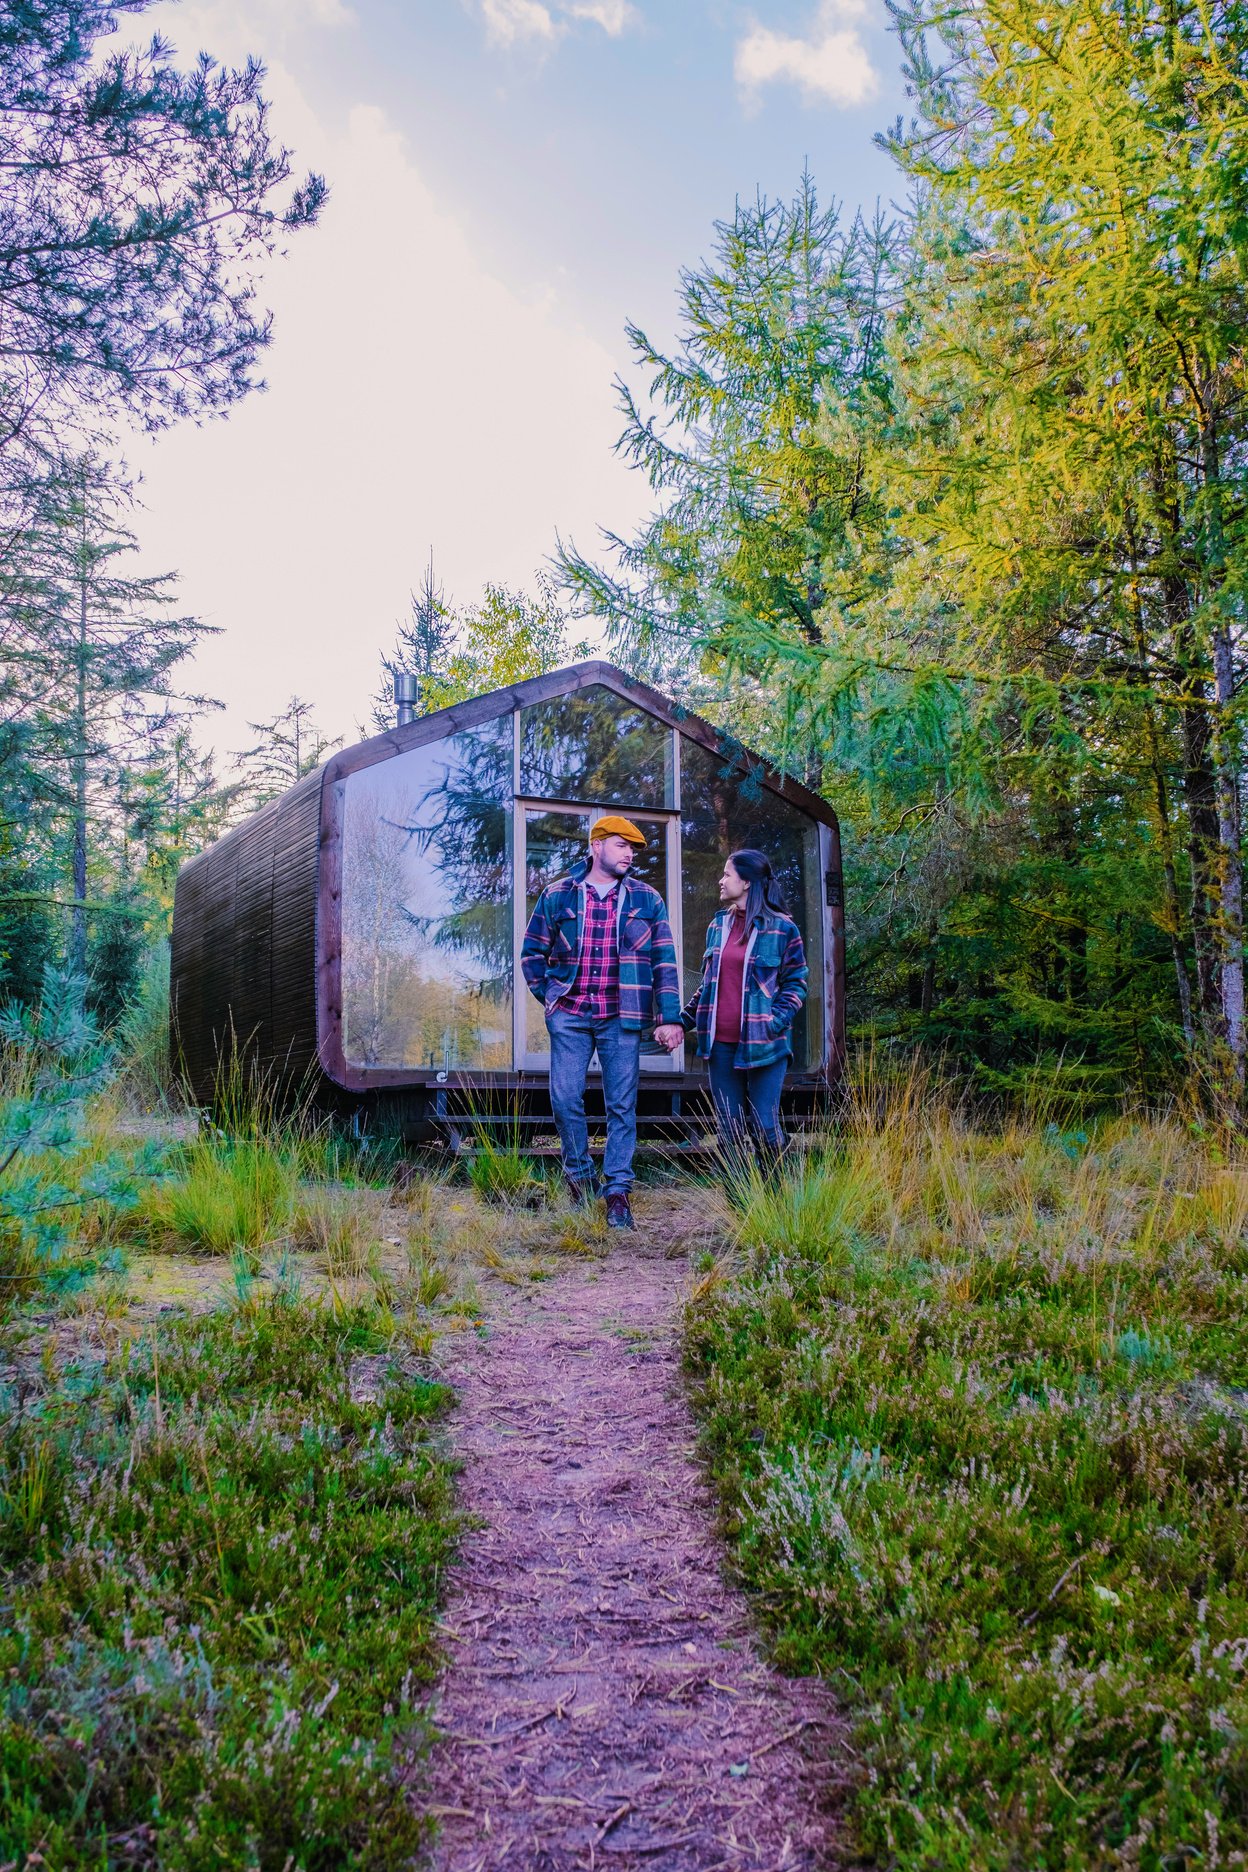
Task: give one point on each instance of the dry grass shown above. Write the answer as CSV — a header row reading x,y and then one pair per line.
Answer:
x,y
344,1227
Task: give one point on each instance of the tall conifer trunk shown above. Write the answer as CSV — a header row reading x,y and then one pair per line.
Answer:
x,y
78,755
1161,805
1225,741
1200,801
1174,916
1227,746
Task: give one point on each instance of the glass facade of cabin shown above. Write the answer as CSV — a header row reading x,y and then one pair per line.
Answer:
x,y
445,848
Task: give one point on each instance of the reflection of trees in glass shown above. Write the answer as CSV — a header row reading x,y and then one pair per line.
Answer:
x,y
595,746
427,905
460,826
724,808
553,843
374,956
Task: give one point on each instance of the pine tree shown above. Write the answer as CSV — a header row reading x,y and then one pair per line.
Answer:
x,y
1013,862
290,746
506,638
172,804
137,203
1075,378
422,647
93,655
749,438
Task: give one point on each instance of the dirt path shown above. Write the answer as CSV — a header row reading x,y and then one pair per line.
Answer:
x,y
605,1706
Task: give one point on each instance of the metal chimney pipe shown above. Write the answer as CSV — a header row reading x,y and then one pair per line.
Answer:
x,y
406,695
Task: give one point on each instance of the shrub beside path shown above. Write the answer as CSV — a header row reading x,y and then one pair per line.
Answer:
x,y
605,1704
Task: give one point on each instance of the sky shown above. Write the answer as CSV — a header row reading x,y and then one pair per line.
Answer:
x,y
510,181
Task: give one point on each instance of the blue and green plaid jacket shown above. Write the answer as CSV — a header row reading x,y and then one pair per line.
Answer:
x,y
773,989
644,949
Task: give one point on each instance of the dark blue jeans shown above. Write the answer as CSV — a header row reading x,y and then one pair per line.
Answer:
x,y
573,1040
747,1103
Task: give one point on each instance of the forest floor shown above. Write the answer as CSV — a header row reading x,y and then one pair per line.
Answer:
x,y
605,1703
507,1641
460,1485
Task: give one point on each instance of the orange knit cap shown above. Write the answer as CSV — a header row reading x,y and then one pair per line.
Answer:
x,y
614,825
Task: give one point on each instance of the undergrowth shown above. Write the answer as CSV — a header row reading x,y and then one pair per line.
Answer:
x,y
227,1195
499,1170
977,1407
220,1553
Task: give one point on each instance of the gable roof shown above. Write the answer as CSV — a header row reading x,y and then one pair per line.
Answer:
x,y
561,682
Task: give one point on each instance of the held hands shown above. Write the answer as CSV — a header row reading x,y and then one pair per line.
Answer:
x,y
670,1035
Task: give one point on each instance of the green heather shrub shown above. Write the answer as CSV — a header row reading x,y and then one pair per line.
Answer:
x,y
220,1554
983,1447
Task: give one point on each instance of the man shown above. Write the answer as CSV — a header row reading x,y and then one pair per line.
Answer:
x,y
598,954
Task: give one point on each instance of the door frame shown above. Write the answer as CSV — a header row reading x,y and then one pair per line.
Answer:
x,y
669,818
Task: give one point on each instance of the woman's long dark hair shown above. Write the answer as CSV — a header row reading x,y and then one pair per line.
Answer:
x,y
754,868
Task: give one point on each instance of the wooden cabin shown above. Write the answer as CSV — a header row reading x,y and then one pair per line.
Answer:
x,y
360,936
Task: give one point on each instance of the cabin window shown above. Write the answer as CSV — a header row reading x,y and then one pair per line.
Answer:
x,y
723,809
594,746
427,906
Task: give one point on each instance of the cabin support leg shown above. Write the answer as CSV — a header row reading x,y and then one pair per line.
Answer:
x,y
450,1130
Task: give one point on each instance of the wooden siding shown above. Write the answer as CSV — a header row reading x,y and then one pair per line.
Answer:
x,y
244,945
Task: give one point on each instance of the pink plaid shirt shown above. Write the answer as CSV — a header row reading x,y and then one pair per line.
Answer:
x,y
596,989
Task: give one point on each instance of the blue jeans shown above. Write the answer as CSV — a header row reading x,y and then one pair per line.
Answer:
x,y
573,1040
747,1102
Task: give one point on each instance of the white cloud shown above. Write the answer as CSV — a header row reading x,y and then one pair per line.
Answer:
x,y
831,65
614,16
416,399
509,20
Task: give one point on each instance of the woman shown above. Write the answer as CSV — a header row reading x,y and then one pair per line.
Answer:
x,y
753,987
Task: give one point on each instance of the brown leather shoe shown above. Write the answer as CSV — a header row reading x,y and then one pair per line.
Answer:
x,y
619,1213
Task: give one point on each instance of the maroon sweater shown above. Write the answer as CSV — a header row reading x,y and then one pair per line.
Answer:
x,y
731,982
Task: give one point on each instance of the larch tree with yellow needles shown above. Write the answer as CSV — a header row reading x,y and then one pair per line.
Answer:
x,y
1071,489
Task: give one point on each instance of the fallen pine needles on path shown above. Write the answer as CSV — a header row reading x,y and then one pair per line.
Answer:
x,y
220,1550
976,1406
605,1703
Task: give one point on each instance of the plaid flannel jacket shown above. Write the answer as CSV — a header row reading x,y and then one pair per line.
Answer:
x,y
773,989
596,987
649,983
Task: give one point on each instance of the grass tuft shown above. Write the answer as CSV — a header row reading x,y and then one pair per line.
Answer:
x,y
499,1171
231,1196
343,1225
815,1209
